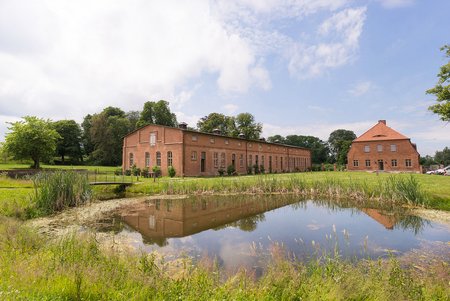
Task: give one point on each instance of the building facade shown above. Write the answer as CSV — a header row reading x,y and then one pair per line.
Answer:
x,y
383,149
193,153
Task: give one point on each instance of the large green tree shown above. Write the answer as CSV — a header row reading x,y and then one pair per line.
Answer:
x,y
246,125
443,157
86,139
226,124
319,149
133,118
157,113
107,130
33,138
442,90
70,142
340,142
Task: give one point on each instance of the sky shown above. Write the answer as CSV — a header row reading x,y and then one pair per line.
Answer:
x,y
304,67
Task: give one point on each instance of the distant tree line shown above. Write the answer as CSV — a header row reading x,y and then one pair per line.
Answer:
x,y
98,140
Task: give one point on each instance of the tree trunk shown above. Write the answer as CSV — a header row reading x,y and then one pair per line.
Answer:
x,y
36,163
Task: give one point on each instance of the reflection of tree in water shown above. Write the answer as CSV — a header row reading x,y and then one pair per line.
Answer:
x,y
160,241
111,224
412,222
247,224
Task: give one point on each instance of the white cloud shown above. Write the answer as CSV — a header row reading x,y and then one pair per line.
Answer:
x,y
342,32
396,3
361,88
230,108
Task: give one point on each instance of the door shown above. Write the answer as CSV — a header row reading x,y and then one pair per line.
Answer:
x,y
203,162
233,160
380,165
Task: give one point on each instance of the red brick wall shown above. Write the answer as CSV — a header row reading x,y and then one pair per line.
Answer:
x,y
405,150
172,139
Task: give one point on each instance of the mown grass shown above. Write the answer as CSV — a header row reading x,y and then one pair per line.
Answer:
x,y
11,166
75,268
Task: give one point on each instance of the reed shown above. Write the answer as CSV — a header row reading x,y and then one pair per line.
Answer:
x,y
59,190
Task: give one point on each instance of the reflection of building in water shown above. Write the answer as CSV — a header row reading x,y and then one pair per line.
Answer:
x,y
178,218
388,221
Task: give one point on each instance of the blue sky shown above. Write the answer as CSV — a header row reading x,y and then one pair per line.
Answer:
x,y
303,67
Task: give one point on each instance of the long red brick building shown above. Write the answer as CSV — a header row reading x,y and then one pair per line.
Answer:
x,y
384,149
193,153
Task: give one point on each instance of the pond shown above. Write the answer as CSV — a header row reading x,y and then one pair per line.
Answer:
x,y
242,230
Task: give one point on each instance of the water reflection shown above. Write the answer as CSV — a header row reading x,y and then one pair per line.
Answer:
x,y
233,229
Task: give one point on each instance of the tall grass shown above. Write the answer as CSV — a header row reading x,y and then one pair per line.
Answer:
x,y
59,190
75,268
392,189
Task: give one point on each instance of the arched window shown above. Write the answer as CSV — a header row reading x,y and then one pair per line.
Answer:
x,y
147,159
169,158
131,159
158,158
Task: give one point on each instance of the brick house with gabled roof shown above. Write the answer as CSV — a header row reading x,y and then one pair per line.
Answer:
x,y
194,153
382,148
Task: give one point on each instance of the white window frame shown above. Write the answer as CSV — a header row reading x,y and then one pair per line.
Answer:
x,y
152,138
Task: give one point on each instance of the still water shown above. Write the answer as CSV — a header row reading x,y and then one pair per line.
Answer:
x,y
240,230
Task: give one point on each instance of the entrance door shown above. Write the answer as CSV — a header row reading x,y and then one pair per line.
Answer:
x,y
233,160
202,162
380,165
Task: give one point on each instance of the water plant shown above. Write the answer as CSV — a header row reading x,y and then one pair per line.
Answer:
x,y
56,191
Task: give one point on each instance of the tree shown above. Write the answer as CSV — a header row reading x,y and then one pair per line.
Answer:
x,y
157,113
319,149
340,141
107,131
133,117
86,139
225,124
70,142
443,157
442,90
246,125
33,138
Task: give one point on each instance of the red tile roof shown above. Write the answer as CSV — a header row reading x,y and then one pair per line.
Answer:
x,y
379,132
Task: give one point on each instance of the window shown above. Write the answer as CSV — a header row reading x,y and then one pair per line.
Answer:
x,y
216,160
276,162
203,162
158,158
152,139
408,163
367,163
393,147
367,148
131,159
250,160
194,156
262,160
222,160
194,138
355,163
379,148
394,162
147,159
241,160
152,222
211,140
169,158
281,162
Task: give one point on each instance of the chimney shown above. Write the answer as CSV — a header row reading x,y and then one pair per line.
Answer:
x,y
382,121
182,125
262,139
217,132
241,136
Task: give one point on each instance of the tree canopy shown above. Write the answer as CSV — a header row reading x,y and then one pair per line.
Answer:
x,y
157,113
246,125
33,138
319,148
70,142
226,124
443,157
442,90
340,142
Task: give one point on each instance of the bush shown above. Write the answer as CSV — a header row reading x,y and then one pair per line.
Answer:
x,y
128,172
262,169
231,170
157,170
171,171
59,190
221,172
256,169
118,171
136,171
145,172
249,170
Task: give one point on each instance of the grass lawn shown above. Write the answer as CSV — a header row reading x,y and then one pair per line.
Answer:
x,y
47,166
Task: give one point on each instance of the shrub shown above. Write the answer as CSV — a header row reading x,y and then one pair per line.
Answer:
x,y
157,170
221,172
59,190
256,169
136,171
145,172
262,169
231,170
249,170
118,171
128,172
171,171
